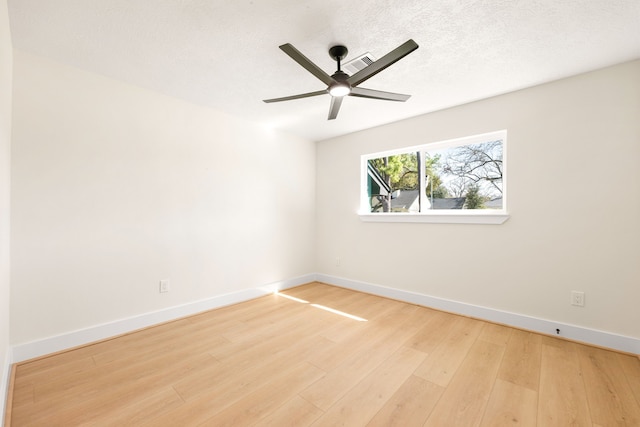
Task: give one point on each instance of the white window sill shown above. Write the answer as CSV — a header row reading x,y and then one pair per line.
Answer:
x,y
452,217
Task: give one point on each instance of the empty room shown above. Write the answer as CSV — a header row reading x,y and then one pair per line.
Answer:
x,y
281,213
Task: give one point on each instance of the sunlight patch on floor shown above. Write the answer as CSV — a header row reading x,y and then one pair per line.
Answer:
x,y
341,313
322,307
292,298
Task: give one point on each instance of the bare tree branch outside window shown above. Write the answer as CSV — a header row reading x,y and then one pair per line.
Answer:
x,y
475,165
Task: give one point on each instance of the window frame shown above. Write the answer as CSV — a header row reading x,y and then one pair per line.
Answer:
x,y
439,216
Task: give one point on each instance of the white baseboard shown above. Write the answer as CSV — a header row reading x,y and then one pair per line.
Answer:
x,y
572,332
30,350
4,383
21,352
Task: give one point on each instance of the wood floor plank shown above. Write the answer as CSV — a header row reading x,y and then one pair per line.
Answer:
x,y
102,406
511,404
494,333
148,345
240,332
296,412
271,360
562,399
364,400
441,365
280,315
259,359
362,305
631,367
410,406
72,405
434,331
23,394
233,382
127,370
377,348
335,354
370,308
611,399
315,290
345,330
464,400
345,301
129,411
59,365
258,404
521,361
369,334
300,324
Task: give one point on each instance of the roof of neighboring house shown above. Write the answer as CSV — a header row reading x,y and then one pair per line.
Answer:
x,y
404,200
449,203
494,203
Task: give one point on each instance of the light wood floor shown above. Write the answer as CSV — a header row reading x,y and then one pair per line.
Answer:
x,y
279,362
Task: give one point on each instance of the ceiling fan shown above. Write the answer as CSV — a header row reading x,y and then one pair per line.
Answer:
x,y
340,84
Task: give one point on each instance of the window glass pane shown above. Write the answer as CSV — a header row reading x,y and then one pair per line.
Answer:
x,y
464,177
393,183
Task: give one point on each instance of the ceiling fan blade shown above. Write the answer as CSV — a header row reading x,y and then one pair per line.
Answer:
x,y
378,94
297,56
302,95
382,63
336,102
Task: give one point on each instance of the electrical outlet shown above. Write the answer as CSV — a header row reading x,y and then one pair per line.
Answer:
x,y
338,261
577,298
164,285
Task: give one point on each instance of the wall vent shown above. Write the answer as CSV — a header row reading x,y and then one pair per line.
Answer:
x,y
357,64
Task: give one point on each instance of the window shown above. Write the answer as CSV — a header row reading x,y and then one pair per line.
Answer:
x,y
461,180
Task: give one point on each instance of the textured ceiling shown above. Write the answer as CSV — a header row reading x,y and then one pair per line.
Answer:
x,y
224,54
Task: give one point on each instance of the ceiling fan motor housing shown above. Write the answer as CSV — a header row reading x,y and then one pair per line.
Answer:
x,y
341,86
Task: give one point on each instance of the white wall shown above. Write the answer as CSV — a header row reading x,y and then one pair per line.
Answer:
x,y
574,200
6,69
115,187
